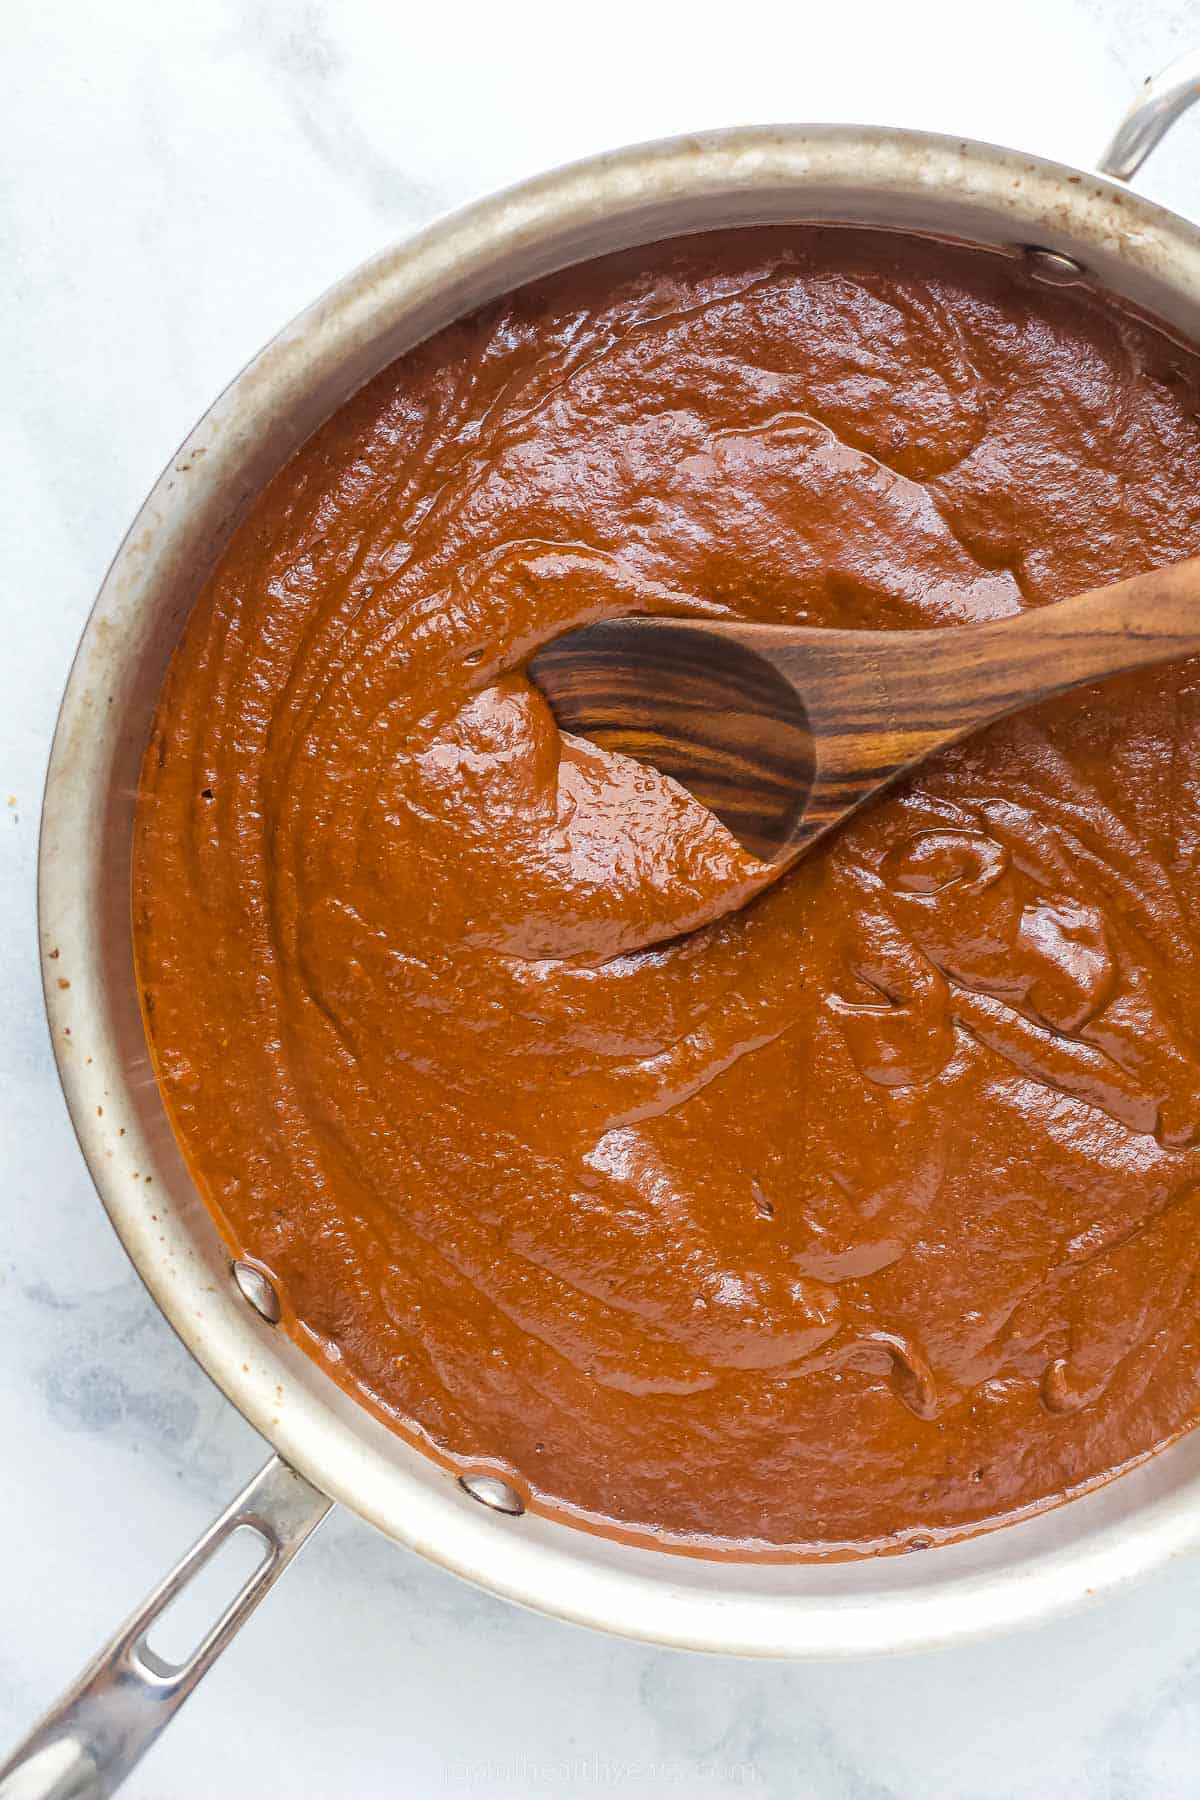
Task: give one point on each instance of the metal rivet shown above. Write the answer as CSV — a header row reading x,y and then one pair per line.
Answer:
x,y
489,1490
1053,266
257,1289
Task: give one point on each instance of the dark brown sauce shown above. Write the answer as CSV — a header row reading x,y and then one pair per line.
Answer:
x,y
857,1213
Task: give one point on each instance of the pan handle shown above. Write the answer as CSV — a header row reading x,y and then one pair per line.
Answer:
x,y
1159,103
87,1744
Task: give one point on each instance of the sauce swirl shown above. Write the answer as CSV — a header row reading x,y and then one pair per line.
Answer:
x,y
801,1218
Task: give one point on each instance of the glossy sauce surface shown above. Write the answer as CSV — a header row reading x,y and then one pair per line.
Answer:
x,y
858,1210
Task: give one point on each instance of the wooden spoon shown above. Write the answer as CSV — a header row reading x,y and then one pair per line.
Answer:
x,y
783,731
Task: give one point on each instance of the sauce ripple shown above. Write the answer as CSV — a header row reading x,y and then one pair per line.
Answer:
x,y
813,1217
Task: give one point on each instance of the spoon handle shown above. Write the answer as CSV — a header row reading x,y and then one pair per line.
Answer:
x,y
1133,624
879,702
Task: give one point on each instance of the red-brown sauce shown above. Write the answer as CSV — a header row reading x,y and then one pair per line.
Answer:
x,y
861,1210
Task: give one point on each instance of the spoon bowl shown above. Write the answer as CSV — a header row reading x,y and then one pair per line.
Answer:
x,y
711,712
784,731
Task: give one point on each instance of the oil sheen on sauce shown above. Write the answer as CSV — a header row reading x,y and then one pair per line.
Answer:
x,y
811,1217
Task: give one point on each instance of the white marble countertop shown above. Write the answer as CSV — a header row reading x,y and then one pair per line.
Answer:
x,y
178,181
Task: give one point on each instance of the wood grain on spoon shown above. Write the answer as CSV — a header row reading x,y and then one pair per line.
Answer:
x,y
783,731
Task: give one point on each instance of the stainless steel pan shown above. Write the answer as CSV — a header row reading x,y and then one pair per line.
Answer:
x,y
1076,226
